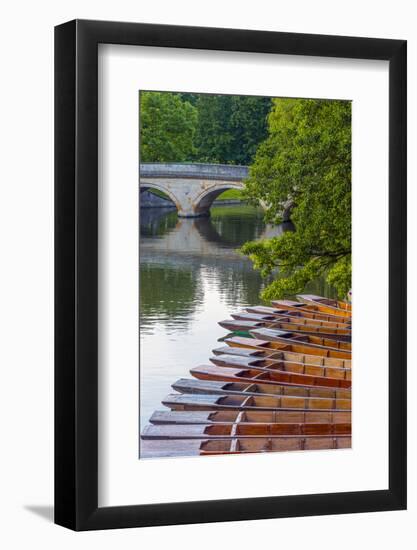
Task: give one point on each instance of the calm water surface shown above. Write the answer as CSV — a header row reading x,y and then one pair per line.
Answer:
x,y
191,277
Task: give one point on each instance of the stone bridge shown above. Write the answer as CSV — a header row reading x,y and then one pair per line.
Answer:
x,y
191,187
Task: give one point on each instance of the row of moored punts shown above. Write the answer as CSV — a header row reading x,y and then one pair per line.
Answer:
x,y
281,381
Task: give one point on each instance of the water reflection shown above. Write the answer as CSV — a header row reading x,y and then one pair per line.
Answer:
x,y
192,276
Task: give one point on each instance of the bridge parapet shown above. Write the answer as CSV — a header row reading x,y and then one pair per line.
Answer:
x,y
223,172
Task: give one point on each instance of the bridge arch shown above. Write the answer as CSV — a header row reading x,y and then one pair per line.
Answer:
x,y
147,185
205,199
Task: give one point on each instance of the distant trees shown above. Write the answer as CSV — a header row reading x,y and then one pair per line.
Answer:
x,y
307,157
168,125
181,127
230,128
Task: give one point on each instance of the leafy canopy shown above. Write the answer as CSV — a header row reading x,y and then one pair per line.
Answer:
x,y
306,158
230,128
187,127
168,126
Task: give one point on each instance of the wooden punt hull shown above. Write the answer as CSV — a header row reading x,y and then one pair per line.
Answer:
x,y
341,335
243,430
242,326
260,445
295,346
313,360
305,309
214,402
268,378
194,447
297,319
250,417
298,312
271,365
323,305
338,304
274,335
257,317
238,387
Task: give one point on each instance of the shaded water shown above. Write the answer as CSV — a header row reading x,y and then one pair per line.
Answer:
x,y
191,277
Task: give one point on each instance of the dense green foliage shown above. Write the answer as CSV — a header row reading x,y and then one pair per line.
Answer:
x,y
167,127
230,128
307,157
185,127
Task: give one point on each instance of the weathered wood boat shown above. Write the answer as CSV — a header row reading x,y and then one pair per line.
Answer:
x,y
248,387
212,402
289,318
304,308
250,417
189,447
241,445
271,365
243,430
285,336
338,304
285,344
269,377
298,310
259,317
333,307
337,334
313,360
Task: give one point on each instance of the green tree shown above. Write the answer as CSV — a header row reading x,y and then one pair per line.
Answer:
x,y
248,125
306,158
168,126
230,128
213,139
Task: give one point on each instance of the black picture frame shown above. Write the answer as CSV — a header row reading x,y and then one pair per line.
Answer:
x,y
76,272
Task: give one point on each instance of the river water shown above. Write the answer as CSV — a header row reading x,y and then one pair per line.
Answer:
x,y
191,277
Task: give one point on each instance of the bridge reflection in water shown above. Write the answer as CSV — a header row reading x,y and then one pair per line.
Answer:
x,y
162,230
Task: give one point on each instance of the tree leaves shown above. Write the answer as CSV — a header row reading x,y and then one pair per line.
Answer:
x,y
306,157
168,125
212,128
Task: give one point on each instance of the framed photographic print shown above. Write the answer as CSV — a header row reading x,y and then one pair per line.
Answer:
x,y
230,275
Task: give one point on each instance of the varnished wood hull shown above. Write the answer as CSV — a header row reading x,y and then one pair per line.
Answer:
x,y
244,430
235,385
270,365
259,353
296,319
260,445
250,417
324,306
305,309
342,335
273,335
298,310
242,401
321,300
190,447
288,345
253,353
270,377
